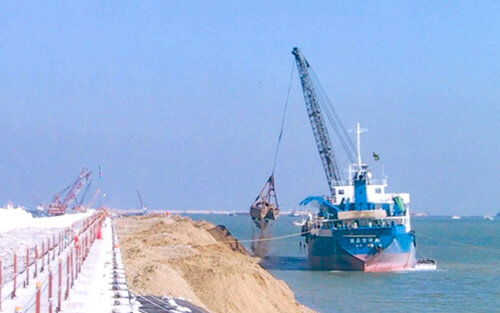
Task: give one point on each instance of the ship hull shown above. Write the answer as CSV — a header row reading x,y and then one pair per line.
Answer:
x,y
337,251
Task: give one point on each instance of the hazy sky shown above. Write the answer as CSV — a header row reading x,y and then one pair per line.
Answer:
x,y
183,99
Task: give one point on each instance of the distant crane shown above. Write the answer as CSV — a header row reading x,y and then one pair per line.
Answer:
x,y
144,209
79,206
91,203
58,206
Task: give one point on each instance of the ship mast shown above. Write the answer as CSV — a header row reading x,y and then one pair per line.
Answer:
x,y
358,138
356,170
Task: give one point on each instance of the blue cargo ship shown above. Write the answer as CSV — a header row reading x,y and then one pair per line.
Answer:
x,y
362,228
359,226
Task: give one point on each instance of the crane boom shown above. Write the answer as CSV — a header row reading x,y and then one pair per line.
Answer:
x,y
79,205
140,198
317,122
58,206
84,194
98,191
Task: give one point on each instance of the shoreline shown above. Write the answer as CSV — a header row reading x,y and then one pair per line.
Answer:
x,y
179,257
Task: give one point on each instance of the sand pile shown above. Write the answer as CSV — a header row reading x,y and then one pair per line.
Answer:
x,y
199,261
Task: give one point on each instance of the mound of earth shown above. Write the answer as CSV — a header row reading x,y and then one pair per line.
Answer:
x,y
178,257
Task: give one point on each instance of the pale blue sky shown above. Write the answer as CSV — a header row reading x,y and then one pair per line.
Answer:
x,y
183,99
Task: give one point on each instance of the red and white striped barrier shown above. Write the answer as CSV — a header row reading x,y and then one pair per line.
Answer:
x,y
75,242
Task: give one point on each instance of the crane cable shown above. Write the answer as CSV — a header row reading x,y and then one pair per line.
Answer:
x,y
235,239
267,238
283,119
333,118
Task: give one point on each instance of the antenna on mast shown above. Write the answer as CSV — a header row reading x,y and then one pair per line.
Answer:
x,y
358,138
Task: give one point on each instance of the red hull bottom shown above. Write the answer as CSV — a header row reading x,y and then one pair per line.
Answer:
x,y
387,260
384,263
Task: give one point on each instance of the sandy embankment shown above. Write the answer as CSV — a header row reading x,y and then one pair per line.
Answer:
x,y
196,260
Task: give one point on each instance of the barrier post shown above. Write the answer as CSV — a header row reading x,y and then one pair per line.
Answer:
x,y
60,242
84,248
66,294
80,258
48,251
13,295
59,289
38,295
50,289
1,282
76,262
99,231
71,265
43,256
53,247
27,267
36,261
87,246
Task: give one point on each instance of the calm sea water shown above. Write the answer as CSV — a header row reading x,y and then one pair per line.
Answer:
x,y
467,279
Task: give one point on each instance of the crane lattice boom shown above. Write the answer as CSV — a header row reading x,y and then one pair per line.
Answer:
x,y
317,122
58,206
